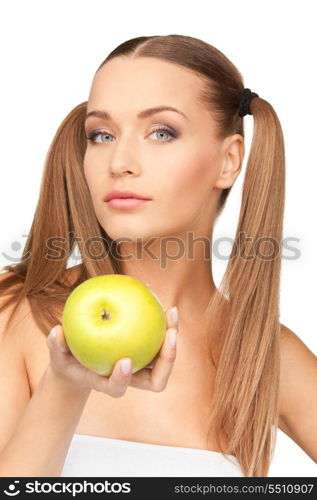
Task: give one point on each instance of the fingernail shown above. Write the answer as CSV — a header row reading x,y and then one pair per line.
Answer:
x,y
126,366
52,333
172,337
174,315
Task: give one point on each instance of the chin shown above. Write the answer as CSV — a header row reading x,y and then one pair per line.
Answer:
x,y
138,231
129,235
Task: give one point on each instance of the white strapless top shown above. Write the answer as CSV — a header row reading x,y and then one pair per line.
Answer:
x,y
100,456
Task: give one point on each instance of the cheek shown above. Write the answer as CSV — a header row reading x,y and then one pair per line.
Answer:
x,y
194,175
91,174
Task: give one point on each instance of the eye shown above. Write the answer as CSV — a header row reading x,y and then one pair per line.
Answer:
x,y
162,130
165,130
92,136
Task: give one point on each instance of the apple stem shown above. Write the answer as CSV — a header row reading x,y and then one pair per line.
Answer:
x,y
105,315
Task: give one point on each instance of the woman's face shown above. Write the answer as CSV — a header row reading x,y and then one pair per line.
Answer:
x,y
178,167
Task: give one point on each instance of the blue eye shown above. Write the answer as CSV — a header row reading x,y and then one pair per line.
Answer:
x,y
91,137
165,130
162,130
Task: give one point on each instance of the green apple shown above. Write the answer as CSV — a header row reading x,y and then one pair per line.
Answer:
x,y
110,317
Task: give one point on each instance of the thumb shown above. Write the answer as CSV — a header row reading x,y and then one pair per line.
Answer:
x,y
61,341
57,339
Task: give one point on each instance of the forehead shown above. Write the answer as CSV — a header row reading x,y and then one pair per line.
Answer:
x,y
144,82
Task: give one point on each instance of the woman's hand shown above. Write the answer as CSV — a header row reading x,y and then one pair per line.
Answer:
x,y
153,377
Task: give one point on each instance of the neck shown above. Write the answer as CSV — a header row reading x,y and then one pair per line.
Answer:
x,y
179,273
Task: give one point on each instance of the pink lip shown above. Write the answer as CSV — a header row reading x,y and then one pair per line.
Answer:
x,y
119,193
125,203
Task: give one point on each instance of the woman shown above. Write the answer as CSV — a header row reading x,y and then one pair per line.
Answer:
x,y
212,409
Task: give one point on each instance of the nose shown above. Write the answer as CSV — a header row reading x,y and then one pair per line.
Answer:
x,y
123,160
119,170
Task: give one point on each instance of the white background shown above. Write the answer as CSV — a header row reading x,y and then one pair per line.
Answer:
x,y
49,53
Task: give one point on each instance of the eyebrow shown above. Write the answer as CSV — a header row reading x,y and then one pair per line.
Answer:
x,y
143,114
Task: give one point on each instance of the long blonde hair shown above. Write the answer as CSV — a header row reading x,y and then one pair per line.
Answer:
x,y
244,403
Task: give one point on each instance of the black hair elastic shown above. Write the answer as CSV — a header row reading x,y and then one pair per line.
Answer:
x,y
245,100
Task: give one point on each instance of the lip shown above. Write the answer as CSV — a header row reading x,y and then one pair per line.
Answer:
x,y
117,193
126,203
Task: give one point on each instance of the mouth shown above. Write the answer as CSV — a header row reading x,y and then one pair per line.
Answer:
x,y
126,203
125,200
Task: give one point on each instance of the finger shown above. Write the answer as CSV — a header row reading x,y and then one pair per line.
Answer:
x,y
51,338
152,363
119,379
56,340
172,322
172,318
164,364
156,379
61,343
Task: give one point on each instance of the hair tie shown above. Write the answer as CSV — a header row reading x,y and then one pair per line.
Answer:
x,y
245,100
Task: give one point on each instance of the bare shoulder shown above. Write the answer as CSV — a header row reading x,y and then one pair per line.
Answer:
x,y
24,337
294,350
16,339
298,391
14,383
23,328
290,340
22,312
